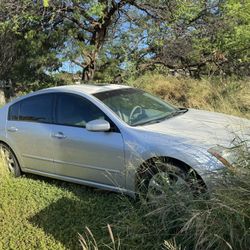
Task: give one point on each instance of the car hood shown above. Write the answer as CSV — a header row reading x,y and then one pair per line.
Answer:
x,y
204,128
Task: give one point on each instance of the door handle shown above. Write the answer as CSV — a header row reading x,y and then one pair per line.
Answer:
x,y
59,135
12,129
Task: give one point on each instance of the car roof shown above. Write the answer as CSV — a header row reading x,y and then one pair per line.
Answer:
x,y
90,88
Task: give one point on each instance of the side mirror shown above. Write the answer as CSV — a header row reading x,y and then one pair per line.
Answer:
x,y
98,126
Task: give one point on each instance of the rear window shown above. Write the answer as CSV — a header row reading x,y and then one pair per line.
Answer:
x,y
37,108
14,112
34,109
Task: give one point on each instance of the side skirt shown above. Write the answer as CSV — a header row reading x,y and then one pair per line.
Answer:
x,y
82,182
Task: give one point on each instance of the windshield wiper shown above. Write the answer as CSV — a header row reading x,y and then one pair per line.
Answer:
x,y
148,122
179,111
172,114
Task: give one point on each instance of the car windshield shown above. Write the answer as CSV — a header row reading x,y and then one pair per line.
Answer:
x,y
136,107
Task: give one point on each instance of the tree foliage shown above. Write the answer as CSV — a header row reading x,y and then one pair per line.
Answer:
x,y
109,38
199,37
28,50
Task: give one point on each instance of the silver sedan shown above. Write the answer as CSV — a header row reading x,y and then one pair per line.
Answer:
x,y
116,138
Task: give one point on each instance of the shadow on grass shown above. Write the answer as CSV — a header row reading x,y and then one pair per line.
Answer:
x,y
66,217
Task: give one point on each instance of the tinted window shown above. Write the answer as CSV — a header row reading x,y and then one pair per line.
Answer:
x,y
74,110
14,112
37,108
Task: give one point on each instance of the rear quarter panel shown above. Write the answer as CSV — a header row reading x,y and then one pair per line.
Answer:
x,y
4,135
3,118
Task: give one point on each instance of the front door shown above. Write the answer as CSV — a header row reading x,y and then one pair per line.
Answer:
x,y
90,156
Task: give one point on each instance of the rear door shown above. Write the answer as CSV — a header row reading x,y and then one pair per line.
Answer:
x,y
29,130
90,156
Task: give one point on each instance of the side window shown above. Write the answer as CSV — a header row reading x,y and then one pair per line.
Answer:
x,y
14,112
37,108
74,110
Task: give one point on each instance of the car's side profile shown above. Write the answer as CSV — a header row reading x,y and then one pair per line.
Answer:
x,y
111,137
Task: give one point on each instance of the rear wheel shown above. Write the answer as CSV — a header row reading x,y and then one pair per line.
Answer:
x,y
10,160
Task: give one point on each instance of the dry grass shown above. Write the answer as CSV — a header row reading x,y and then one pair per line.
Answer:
x,y
226,96
4,174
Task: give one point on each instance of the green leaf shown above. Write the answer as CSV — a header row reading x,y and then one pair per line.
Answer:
x,y
45,3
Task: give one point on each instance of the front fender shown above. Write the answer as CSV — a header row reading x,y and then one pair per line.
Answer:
x,y
139,149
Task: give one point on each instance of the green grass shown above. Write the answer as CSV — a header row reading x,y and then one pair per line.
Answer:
x,y
40,213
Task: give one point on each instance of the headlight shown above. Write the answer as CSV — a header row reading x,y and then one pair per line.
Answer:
x,y
228,156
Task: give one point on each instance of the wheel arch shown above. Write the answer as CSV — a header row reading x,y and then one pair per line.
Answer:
x,y
13,151
150,163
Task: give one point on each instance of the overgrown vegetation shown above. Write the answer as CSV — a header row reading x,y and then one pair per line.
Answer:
x,y
181,221
48,214
229,96
204,44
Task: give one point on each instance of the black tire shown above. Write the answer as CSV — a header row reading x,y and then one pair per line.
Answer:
x,y
171,174
10,159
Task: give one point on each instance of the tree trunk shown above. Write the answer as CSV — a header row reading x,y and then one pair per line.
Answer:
x,y
89,71
6,92
2,98
97,41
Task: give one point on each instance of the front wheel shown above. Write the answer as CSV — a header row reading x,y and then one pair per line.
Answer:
x,y
161,180
10,160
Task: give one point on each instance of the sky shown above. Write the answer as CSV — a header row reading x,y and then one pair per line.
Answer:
x,y
69,67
